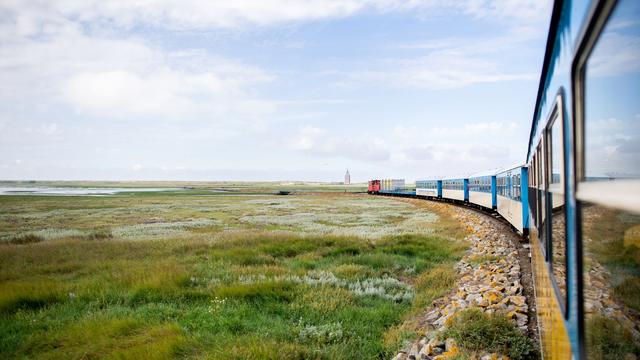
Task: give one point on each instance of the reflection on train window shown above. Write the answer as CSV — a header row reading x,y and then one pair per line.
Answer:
x,y
426,184
555,135
481,184
611,268
556,193
541,200
532,192
508,185
608,190
612,102
453,184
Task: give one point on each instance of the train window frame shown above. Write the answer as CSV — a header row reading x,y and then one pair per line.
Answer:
x,y
603,193
541,225
556,117
545,223
598,17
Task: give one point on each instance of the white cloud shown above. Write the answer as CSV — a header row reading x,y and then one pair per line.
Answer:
x,y
108,77
195,14
449,63
309,138
438,73
615,54
160,92
447,150
320,142
514,10
427,151
92,57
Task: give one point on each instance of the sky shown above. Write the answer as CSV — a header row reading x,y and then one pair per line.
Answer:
x,y
266,89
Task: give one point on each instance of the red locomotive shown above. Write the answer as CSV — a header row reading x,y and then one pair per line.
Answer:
x,y
374,187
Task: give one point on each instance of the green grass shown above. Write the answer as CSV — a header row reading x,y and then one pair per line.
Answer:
x,y
614,247
25,239
615,244
477,260
608,340
103,337
234,290
475,331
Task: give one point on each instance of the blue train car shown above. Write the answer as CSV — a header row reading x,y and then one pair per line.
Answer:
x,y
510,197
482,190
429,188
584,182
455,189
578,193
399,192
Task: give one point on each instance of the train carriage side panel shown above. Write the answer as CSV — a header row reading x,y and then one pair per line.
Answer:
x,y
524,201
509,196
481,192
559,326
427,188
453,189
426,192
494,196
481,198
453,194
511,210
465,184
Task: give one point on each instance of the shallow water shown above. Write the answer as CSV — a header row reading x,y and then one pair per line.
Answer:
x,y
75,191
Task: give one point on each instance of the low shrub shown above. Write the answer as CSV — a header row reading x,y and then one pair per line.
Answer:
x,y
477,331
110,338
150,294
28,296
25,239
607,339
99,234
270,290
321,334
349,250
629,292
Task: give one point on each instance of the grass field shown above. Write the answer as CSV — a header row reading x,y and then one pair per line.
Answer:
x,y
166,275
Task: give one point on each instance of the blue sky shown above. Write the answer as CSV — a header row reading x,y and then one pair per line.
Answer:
x,y
266,90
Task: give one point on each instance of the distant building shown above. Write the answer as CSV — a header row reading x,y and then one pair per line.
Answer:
x,y
347,178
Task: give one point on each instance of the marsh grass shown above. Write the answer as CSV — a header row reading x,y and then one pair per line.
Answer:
x,y
25,239
428,286
221,289
477,331
481,259
110,338
613,241
607,339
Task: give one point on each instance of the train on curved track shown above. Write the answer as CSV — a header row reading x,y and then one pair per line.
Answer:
x,y
576,196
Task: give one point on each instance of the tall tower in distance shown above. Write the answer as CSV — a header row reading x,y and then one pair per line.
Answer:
x,y
347,178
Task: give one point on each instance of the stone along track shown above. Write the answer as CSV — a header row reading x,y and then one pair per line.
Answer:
x,y
494,276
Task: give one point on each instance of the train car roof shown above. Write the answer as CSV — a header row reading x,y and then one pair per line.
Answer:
x,y
484,173
509,168
546,69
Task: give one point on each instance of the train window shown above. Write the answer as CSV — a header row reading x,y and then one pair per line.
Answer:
x,y
608,191
515,185
555,156
532,191
541,199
